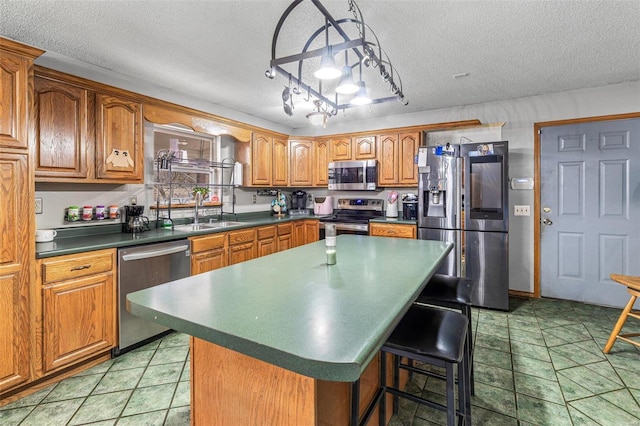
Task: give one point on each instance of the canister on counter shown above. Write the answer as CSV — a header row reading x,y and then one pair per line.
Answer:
x,y
99,212
87,213
113,211
73,213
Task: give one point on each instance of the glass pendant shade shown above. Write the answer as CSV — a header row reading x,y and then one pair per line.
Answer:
x,y
361,97
347,86
317,118
328,69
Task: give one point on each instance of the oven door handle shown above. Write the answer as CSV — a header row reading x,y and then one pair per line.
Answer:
x,y
147,254
348,226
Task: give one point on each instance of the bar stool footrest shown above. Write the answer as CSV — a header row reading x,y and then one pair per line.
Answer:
x,y
420,400
425,372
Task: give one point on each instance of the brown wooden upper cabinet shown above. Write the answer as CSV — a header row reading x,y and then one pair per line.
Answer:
x,y
265,160
364,148
308,162
341,149
357,148
301,163
320,163
396,154
119,139
61,129
14,72
83,134
280,170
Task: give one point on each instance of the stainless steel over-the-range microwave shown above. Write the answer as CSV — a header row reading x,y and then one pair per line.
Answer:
x,y
359,175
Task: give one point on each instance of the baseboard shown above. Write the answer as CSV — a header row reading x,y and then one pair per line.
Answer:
x,y
522,294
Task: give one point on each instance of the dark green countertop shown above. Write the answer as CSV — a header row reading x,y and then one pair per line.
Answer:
x,y
78,240
292,310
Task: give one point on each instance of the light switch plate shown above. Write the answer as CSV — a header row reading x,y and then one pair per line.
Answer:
x,y
521,211
38,205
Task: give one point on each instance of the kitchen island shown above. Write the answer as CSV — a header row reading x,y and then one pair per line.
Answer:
x,y
276,340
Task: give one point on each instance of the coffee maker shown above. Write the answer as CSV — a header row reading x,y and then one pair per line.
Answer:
x,y
299,203
409,206
134,221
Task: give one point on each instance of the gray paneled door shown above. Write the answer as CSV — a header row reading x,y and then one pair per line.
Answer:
x,y
590,200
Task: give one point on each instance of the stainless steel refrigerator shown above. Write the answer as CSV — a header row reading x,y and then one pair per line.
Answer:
x,y
440,201
486,222
469,181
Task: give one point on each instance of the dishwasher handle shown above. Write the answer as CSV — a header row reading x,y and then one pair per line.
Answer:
x,y
147,254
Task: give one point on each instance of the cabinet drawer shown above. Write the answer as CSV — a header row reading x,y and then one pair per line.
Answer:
x,y
210,242
266,232
399,231
77,265
243,236
285,228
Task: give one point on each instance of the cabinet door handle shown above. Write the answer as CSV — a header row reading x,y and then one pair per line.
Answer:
x,y
80,268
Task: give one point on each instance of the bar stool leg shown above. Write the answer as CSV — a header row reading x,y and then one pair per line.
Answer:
x,y
466,310
451,398
382,411
396,382
464,389
619,324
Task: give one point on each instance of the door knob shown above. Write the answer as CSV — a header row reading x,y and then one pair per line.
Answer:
x,y
547,222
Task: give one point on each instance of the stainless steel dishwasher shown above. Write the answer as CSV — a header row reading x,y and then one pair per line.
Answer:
x,y
142,267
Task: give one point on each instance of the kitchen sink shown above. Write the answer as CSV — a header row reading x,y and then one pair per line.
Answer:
x,y
224,223
205,226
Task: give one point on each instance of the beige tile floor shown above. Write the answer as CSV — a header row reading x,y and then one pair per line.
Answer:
x,y
539,364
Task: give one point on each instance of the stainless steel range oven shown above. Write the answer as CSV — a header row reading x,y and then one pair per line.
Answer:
x,y
352,215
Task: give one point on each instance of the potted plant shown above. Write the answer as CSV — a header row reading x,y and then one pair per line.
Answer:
x,y
202,190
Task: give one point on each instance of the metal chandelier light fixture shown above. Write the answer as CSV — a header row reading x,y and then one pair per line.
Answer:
x,y
354,36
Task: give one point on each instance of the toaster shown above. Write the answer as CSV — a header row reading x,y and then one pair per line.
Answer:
x,y
323,205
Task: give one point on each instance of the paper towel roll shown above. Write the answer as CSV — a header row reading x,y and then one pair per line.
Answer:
x,y
237,174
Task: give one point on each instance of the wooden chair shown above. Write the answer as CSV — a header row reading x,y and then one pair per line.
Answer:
x,y
633,287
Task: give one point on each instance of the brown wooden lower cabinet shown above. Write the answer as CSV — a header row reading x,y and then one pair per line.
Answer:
x,y
228,387
208,252
285,236
78,307
267,243
298,233
217,250
393,230
14,330
242,245
311,231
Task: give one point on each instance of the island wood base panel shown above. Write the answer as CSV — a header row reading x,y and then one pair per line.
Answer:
x,y
229,388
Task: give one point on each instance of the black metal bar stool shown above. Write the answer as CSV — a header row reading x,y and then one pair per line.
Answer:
x,y
437,337
455,293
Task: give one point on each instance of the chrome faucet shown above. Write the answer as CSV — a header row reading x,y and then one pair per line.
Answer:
x,y
198,203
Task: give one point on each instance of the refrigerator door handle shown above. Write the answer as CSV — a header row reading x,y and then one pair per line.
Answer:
x,y
458,189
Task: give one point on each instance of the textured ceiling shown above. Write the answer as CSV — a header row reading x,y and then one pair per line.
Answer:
x,y
218,51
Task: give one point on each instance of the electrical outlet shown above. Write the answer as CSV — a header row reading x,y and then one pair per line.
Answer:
x,y
254,198
521,211
133,200
38,205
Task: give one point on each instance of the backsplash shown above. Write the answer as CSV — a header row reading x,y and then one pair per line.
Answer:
x,y
56,197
